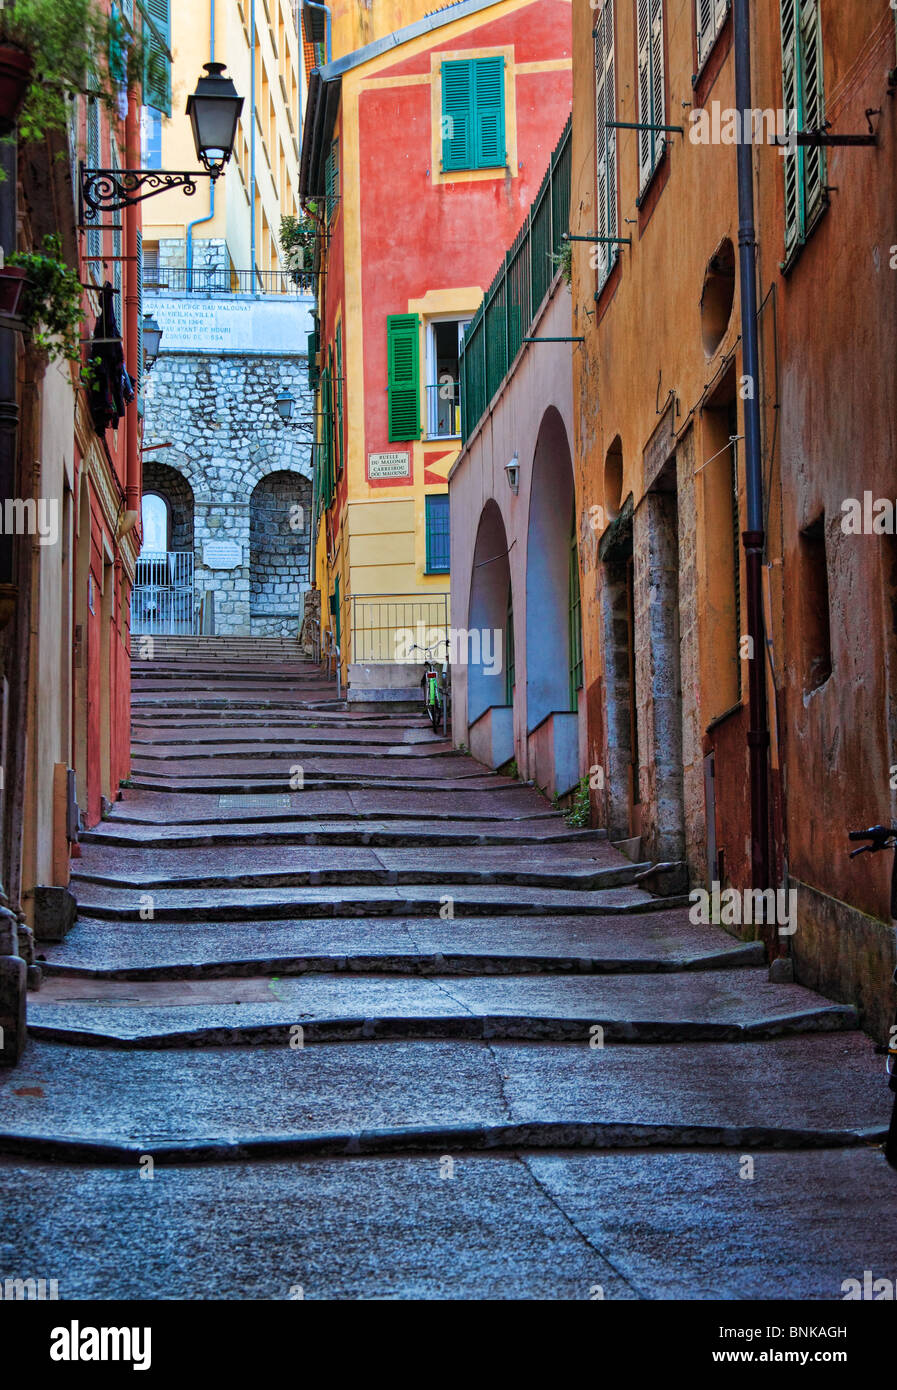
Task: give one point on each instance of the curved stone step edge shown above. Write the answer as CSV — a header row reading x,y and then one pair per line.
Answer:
x,y
527,1028
748,954
424,1139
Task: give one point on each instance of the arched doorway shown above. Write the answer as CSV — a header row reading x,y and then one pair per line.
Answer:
x,y
490,654
279,531
553,623
163,599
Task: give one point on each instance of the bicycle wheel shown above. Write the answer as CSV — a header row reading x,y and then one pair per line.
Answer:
x,y
434,710
891,1141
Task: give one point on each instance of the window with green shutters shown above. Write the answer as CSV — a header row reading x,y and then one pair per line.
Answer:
x,y
157,48
403,376
312,349
325,447
331,180
437,518
606,139
94,235
802,84
339,400
473,114
651,97
574,620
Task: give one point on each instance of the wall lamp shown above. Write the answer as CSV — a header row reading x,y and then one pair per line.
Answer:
x,y
214,109
512,473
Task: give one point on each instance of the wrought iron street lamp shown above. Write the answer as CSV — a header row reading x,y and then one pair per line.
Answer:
x,y
214,109
152,338
285,403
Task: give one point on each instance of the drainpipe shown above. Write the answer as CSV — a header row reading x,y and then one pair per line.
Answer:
x,y
314,5
252,47
198,221
753,538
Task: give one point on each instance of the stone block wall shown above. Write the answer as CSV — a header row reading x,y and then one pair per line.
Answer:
x,y
226,439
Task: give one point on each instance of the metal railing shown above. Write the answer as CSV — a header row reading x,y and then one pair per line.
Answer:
x,y
444,410
162,599
178,280
383,627
496,332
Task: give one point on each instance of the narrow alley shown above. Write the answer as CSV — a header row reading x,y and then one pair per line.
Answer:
x,y
346,1015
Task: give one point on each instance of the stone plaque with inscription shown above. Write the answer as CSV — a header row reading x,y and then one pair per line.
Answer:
x,y
391,465
222,555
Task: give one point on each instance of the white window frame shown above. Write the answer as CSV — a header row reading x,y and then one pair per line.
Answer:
x,y
430,379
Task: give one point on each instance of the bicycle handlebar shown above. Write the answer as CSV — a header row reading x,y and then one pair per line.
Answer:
x,y
877,833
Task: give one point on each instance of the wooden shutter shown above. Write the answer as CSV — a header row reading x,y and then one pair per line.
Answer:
x,y
706,33
651,103
812,93
605,138
457,115
157,45
331,179
489,111
339,400
643,17
403,382
794,155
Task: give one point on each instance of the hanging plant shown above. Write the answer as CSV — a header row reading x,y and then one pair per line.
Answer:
x,y
52,302
75,50
297,244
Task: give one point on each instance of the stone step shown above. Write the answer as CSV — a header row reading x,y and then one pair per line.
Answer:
x,y
400,764
319,780
578,865
312,831
257,754
408,900
709,1005
664,940
517,802
412,1094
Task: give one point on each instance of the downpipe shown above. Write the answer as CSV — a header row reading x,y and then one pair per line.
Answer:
x,y
753,537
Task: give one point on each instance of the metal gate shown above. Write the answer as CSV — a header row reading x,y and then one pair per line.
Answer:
x,y
162,601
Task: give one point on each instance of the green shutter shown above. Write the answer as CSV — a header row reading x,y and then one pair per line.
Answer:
x,y
157,44
312,349
473,114
813,106
489,107
457,115
331,179
339,400
794,155
803,90
403,380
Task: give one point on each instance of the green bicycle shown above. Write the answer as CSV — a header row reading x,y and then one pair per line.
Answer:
x,y
430,685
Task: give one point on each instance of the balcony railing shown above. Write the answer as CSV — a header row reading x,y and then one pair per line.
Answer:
x,y
179,280
444,410
383,627
495,334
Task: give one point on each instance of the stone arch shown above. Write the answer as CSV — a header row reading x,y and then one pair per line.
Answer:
x,y
487,620
171,484
548,573
279,538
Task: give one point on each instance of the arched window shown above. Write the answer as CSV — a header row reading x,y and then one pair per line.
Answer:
x,y
154,516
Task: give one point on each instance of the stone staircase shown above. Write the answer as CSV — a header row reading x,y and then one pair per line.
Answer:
x,y
309,932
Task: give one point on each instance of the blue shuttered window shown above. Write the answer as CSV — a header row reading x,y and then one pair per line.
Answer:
x,y
437,533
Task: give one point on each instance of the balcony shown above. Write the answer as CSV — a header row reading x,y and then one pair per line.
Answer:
x,y
444,410
179,280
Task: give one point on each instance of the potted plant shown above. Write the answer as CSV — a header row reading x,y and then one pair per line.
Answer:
x,y
16,67
297,245
57,50
12,284
52,311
